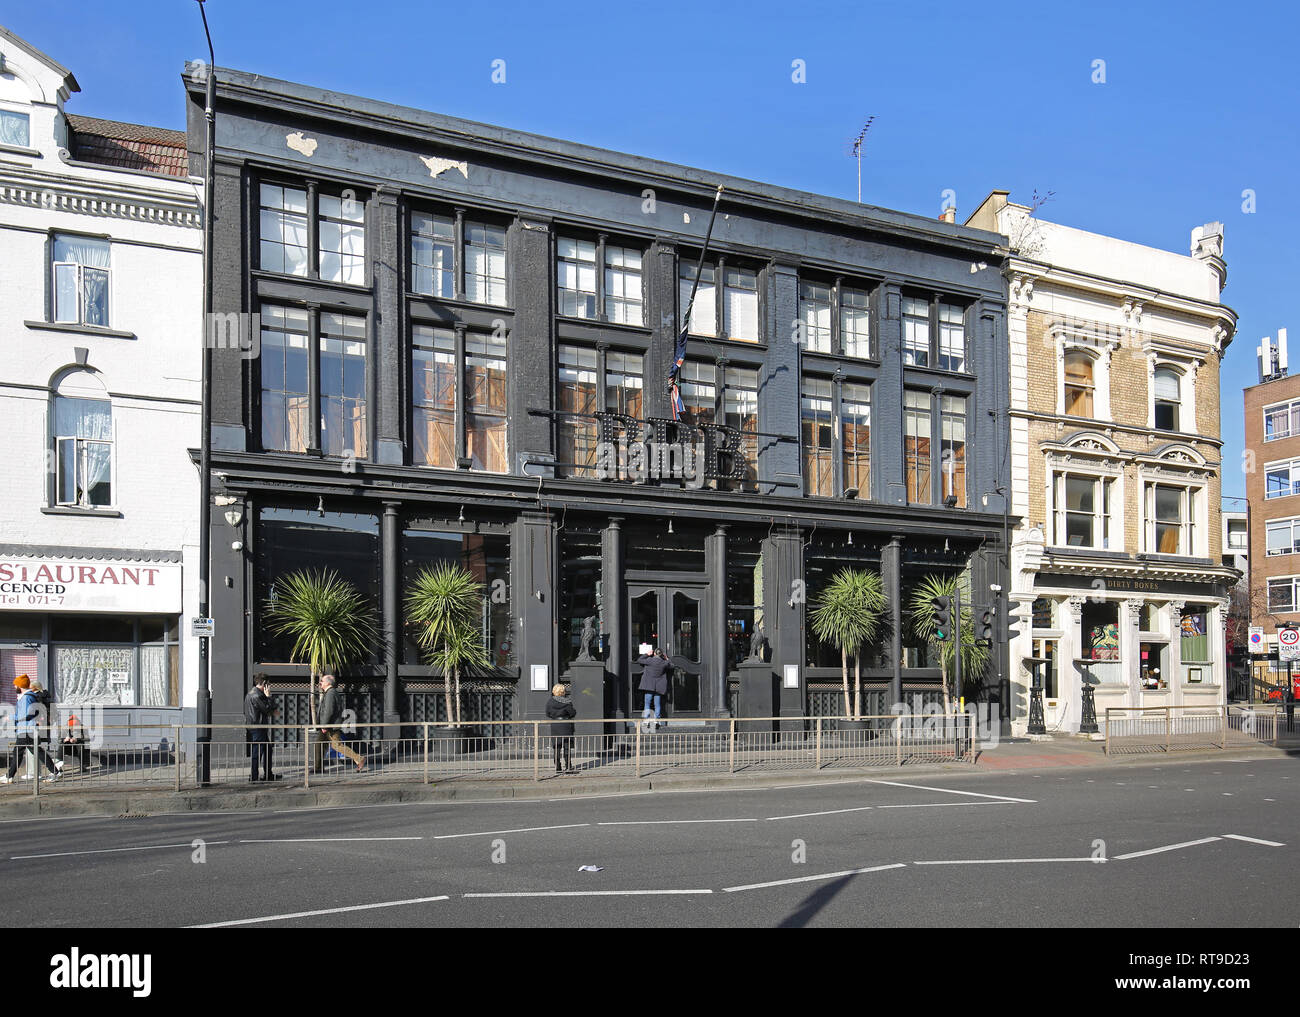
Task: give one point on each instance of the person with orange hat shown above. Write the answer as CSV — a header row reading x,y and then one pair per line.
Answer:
x,y
27,713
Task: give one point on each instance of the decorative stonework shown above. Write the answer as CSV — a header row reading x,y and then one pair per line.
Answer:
x,y
61,198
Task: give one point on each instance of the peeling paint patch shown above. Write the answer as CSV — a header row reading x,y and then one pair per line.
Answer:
x,y
438,165
296,141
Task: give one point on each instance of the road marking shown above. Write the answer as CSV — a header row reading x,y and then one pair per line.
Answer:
x,y
831,812
323,911
1227,794
522,829
812,879
951,791
1254,840
395,805
317,840
1270,799
1167,847
589,893
672,822
1005,861
581,798
945,805
109,851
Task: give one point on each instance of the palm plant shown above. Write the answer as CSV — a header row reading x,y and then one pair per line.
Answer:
x,y
330,622
974,657
443,606
847,616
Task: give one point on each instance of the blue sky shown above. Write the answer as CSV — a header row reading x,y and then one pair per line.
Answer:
x,y
1199,104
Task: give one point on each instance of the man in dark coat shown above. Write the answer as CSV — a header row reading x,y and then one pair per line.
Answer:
x,y
258,710
328,715
654,682
560,709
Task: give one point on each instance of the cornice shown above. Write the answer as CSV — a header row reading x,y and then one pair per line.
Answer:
x,y
103,199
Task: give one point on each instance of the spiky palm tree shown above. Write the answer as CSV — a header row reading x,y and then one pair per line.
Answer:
x,y
443,606
331,623
974,657
847,616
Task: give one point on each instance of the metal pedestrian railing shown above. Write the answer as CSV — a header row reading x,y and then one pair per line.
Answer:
x,y
1134,730
119,757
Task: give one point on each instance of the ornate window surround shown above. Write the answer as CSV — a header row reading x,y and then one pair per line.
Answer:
x,y
1098,341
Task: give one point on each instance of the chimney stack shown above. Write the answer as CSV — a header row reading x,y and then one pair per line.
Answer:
x,y
949,214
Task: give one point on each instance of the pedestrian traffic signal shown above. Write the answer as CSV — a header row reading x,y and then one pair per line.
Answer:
x,y
942,617
985,634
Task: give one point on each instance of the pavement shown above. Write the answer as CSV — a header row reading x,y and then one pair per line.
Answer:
x,y
1189,840
1009,756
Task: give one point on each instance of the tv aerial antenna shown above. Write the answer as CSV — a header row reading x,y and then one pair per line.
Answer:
x,y
856,144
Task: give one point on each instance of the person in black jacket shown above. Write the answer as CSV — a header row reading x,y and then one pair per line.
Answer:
x,y
258,710
560,708
328,715
654,682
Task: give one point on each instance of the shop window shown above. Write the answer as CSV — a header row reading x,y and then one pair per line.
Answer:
x,y
1049,673
115,661
580,591
486,556
1194,633
1043,613
1152,673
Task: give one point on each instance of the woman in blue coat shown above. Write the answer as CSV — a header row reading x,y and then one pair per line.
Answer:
x,y
654,682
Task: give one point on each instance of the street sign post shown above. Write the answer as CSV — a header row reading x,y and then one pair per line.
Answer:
x,y
1288,641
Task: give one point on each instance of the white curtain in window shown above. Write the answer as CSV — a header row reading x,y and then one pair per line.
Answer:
x,y
153,676
93,419
1167,385
88,675
14,129
93,257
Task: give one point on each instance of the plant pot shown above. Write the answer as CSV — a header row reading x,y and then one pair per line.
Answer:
x,y
455,740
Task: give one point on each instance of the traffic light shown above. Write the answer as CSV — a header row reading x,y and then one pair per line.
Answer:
x,y
942,617
984,636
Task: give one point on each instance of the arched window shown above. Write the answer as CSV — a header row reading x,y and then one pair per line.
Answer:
x,y
82,418
1168,398
1079,385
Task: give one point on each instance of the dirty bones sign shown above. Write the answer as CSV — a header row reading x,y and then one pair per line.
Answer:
x,y
83,584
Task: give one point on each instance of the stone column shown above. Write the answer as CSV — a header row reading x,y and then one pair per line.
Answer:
x,y
391,577
715,645
783,612
1176,652
1130,649
532,599
891,573
613,598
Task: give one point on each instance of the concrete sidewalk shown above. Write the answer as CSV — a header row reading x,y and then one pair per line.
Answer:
x,y
1011,756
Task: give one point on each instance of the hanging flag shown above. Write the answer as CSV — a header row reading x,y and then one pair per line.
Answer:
x,y
679,351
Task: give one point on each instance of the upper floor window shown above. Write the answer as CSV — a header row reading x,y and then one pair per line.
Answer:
x,y
698,386
15,129
740,413
575,266
855,436
343,385
577,394
283,226
1282,597
735,304
342,228
81,267
1167,398
917,445
1282,479
1282,536
485,264
815,314
953,453
1282,421
284,229
916,332
582,289
433,258
1171,519
1082,511
485,403
952,338
1238,536
835,318
433,397
83,442
1079,384
855,328
818,439
624,300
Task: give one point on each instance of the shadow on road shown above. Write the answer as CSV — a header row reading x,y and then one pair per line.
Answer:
x,y
814,903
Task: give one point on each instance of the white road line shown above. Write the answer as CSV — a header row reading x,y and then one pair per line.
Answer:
x,y
589,893
581,798
109,851
951,791
832,812
1254,840
672,822
1005,861
1167,847
323,911
813,879
945,805
522,829
397,805
317,840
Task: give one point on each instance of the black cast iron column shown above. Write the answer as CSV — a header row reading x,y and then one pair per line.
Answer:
x,y
715,567
391,577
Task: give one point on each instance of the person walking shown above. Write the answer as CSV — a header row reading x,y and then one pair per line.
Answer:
x,y
1290,708
258,711
27,714
654,682
328,715
561,710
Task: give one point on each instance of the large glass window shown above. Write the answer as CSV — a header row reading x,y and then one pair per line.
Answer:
x,y
1282,595
1171,519
485,403
916,445
740,304
343,385
575,277
953,453
1083,511
342,242
1282,536
1282,421
485,264
815,313
855,322
81,279
623,294
1167,398
83,442
704,312
433,255
855,424
916,332
1079,385
740,398
285,365
15,129
283,229
486,556
1195,634
952,338
577,394
1281,479
698,386
433,397
818,443
623,383
115,661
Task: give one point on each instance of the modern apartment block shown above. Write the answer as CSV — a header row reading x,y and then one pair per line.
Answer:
x,y
458,344
99,391
1272,464
1116,458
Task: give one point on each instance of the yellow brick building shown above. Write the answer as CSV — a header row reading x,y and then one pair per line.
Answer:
x,y
1116,456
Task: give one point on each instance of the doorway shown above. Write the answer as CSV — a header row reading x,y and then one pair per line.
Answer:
x,y
669,616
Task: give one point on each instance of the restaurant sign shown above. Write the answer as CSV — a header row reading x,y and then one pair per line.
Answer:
x,y
1102,585
85,584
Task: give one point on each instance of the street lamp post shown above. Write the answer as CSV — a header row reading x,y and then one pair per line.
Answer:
x,y
1037,722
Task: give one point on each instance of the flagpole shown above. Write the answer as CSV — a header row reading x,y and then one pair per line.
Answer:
x,y
679,351
699,267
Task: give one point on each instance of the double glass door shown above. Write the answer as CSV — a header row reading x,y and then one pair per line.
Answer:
x,y
667,617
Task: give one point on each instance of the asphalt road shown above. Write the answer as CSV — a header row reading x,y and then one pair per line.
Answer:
x,y
1187,844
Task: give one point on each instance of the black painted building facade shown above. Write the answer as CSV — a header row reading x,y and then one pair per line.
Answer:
x,y
456,344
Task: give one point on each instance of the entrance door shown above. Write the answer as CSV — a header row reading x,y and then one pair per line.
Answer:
x,y
668,617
